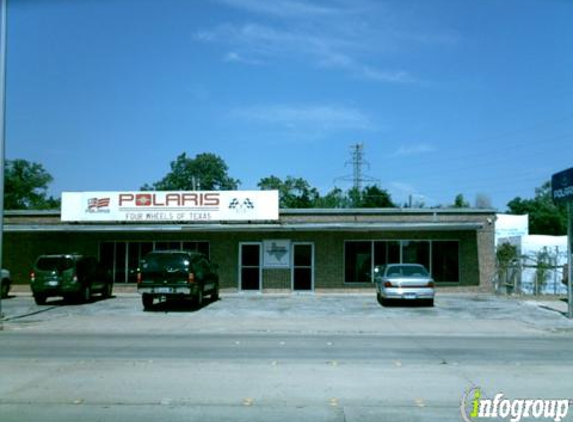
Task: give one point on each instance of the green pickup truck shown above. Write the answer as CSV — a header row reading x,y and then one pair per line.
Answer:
x,y
176,275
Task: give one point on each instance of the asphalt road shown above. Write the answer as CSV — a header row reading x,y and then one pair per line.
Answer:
x,y
268,377
373,349
340,359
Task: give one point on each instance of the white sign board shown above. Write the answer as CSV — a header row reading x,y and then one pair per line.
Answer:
x,y
276,253
508,225
185,206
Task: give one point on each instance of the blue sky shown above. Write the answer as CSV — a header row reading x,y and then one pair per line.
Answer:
x,y
447,96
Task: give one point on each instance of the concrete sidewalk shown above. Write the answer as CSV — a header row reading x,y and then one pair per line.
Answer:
x,y
555,304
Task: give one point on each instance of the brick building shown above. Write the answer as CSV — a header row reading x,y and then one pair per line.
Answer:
x,y
302,250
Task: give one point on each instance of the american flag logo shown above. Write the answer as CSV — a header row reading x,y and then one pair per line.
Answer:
x,y
97,204
241,206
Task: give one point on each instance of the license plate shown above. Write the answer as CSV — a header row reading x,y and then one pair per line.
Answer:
x,y
53,283
410,296
163,290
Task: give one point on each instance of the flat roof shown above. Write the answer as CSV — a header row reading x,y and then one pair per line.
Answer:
x,y
218,227
307,219
311,211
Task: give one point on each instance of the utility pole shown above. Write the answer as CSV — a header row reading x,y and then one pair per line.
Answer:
x,y
569,259
357,162
3,34
562,192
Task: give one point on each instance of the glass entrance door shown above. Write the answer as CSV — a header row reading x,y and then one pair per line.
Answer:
x,y
303,267
250,271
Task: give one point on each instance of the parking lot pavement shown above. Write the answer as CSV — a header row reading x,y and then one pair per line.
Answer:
x,y
456,313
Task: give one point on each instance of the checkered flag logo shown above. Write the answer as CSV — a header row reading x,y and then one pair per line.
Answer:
x,y
241,206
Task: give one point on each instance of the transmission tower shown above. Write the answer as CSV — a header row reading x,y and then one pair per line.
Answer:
x,y
357,162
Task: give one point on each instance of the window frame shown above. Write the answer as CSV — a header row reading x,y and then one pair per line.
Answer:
x,y
401,243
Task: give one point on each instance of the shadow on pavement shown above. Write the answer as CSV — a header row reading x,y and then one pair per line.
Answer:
x,y
179,306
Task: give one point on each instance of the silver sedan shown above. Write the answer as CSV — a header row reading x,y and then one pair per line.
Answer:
x,y
404,281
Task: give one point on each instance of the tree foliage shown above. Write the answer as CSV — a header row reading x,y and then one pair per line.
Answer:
x,y
206,171
506,254
26,186
506,257
336,198
460,202
293,192
544,216
371,197
298,193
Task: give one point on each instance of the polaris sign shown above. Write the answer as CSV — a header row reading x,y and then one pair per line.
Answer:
x,y
187,206
562,186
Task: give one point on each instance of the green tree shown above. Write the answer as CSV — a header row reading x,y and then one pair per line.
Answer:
x,y
544,216
460,202
296,192
336,198
206,171
370,197
293,192
506,258
26,186
545,262
374,197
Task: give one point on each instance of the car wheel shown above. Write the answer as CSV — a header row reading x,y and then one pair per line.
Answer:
x,y
107,290
40,299
430,302
86,294
4,290
384,301
199,298
147,301
215,294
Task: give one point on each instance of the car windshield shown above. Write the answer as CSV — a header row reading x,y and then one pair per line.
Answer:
x,y
406,271
160,262
54,264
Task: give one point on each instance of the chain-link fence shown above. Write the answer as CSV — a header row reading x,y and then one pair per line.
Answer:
x,y
539,273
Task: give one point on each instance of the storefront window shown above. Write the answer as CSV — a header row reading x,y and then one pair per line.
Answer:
x,y
167,246
250,266
107,256
386,253
122,258
120,270
416,253
136,251
202,247
441,258
302,277
358,262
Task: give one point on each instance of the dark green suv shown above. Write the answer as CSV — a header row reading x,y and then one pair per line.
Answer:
x,y
72,276
176,275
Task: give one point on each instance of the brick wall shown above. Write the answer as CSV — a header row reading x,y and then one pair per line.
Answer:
x,y
477,255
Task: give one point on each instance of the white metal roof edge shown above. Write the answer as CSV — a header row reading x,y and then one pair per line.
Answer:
x,y
312,211
15,228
